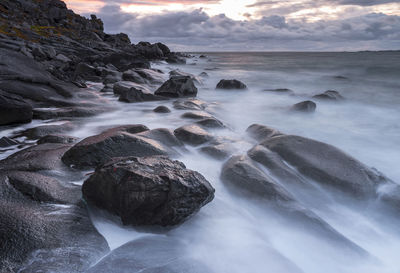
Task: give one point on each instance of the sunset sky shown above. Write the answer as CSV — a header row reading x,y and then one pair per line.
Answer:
x,y
252,25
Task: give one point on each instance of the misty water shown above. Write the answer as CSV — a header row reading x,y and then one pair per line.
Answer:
x,y
238,234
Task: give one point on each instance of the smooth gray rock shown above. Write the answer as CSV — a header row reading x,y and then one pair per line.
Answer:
x,y
231,84
192,134
304,106
261,132
331,95
148,190
176,87
161,109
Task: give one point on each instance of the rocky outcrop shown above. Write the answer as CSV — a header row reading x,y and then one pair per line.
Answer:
x,y
13,109
148,190
231,84
176,87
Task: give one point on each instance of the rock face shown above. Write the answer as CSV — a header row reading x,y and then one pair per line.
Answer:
x,y
148,190
329,95
116,142
13,109
177,86
304,106
192,134
231,84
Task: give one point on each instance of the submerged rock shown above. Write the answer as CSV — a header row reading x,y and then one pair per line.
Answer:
x,y
220,151
231,84
211,123
329,95
148,190
192,134
189,104
280,90
44,130
304,106
13,109
64,139
261,132
138,95
177,86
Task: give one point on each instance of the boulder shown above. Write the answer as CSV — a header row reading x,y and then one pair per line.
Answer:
x,y
85,71
175,59
304,106
133,76
192,134
161,109
231,84
44,130
211,123
13,109
280,90
177,72
219,151
196,115
189,104
327,165
331,95
124,86
150,75
7,142
138,95
167,256
177,86
165,49
162,135
261,132
148,190
117,142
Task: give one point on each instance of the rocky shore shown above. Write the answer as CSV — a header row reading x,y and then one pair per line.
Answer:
x,y
49,58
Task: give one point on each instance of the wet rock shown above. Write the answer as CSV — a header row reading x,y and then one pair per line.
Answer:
x,y
148,190
241,175
124,86
231,84
329,95
13,109
150,75
98,149
196,115
40,157
138,95
177,72
7,142
280,90
261,132
64,139
189,104
211,123
177,86
44,130
161,109
165,49
203,75
85,71
76,111
220,151
163,136
133,76
304,106
167,257
326,165
202,56
192,134
175,59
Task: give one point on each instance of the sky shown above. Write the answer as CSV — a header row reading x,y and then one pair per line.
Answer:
x,y
252,25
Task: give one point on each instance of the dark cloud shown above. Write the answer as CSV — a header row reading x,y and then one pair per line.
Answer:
x,y
195,30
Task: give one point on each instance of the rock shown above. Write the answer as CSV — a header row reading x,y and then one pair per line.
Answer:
x,y
241,175
151,75
133,76
166,257
304,106
7,142
261,132
44,130
13,109
177,86
329,95
76,111
189,104
174,59
163,136
231,84
85,71
196,115
124,87
203,75
192,134
177,72
98,149
138,95
326,165
165,49
125,61
40,157
202,56
210,123
148,190
57,139
220,151
62,58
161,109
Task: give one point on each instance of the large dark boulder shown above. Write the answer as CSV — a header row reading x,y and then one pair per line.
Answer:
x,y
161,109
148,190
304,106
260,132
231,84
326,165
117,142
167,256
13,109
192,134
138,95
176,87
44,130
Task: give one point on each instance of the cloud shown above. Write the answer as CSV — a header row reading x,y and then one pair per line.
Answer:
x,y
196,30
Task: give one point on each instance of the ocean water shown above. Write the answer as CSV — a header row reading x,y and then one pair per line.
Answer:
x,y
237,235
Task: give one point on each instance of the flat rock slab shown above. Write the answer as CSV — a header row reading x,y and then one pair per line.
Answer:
x,y
148,190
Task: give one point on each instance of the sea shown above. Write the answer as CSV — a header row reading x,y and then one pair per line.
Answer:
x,y
237,235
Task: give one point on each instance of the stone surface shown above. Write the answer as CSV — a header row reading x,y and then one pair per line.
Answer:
x,y
13,109
177,86
148,190
231,84
192,134
161,109
331,95
304,106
